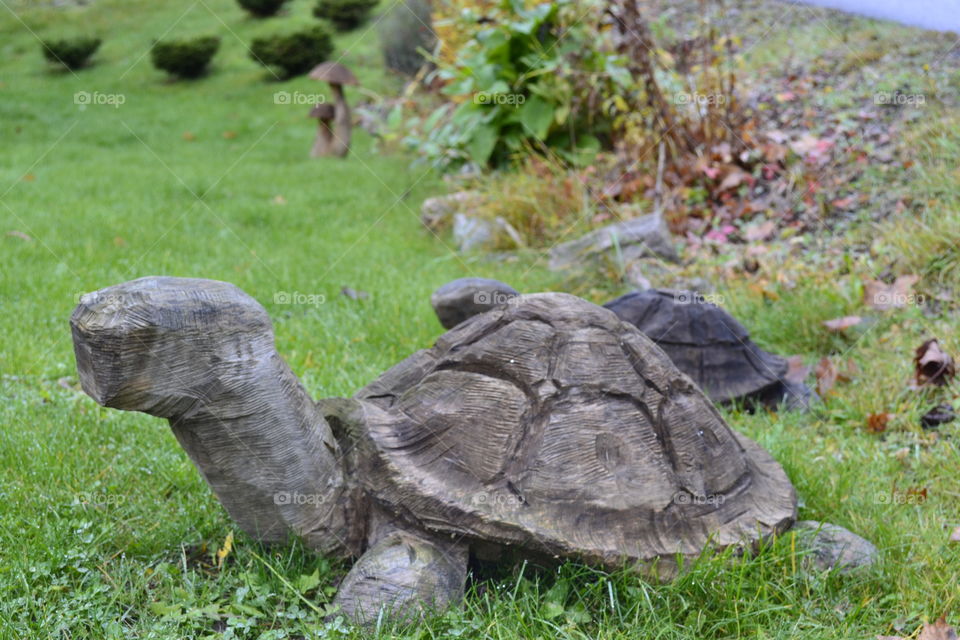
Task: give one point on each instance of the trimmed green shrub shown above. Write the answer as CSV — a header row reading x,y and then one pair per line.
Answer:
x,y
344,14
262,8
405,33
187,58
73,53
293,53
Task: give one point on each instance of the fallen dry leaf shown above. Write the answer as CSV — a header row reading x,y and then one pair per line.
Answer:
x,y
762,231
933,365
877,422
229,135
279,199
826,373
774,152
734,179
188,136
939,630
354,294
225,550
797,372
882,296
841,324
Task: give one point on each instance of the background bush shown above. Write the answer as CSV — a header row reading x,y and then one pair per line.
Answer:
x,y
524,80
344,14
262,8
72,53
293,53
404,33
187,58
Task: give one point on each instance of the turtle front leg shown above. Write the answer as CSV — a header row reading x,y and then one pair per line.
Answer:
x,y
404,574
201,354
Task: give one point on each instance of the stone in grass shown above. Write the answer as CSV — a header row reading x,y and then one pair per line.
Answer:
x,y
437,213
632,239
830,546
471,233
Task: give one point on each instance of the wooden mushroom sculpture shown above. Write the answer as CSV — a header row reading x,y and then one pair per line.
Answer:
x,y
323,144
337,75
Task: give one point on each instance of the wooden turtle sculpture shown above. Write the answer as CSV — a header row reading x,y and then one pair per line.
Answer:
x,y
712,347
703,340
547,427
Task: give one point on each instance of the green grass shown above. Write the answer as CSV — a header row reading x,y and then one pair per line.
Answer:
x,y
107,530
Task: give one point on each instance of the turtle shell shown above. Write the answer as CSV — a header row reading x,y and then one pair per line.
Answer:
x,y
551,425
704,341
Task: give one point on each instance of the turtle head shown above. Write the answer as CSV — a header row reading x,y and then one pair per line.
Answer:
x,y
161,344
461,299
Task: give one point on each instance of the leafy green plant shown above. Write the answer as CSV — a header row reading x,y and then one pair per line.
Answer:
x,y
293,53
344,14
72,53
405,34
529,78
262,8
187,58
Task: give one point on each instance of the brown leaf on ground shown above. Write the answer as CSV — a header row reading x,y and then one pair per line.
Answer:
x,y
841,324
849,371
773,152
826,373
933,365
797,372
845,203
877,422
882,296
939,630
762,231
734,179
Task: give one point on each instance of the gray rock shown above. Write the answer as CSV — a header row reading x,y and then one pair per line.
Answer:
x,y
832,547
437,213
636,238
464,298
471,233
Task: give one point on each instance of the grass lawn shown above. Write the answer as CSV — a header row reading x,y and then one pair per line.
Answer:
x,y
106,528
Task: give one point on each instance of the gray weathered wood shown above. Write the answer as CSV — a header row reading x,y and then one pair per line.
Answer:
x,y
464,298
200,353
546,426
551,425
